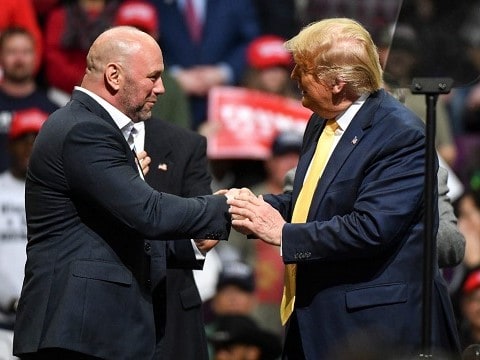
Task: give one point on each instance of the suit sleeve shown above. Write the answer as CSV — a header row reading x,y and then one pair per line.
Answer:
x,y
97,168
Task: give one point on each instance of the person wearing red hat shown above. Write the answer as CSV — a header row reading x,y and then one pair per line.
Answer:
x,y
140,14
18,89
269,66
13,231
469,322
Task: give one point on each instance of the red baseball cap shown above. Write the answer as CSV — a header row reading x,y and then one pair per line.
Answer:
x,y
26,121
472,282
268,51
139,14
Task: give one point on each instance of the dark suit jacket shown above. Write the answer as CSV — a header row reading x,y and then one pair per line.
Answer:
x,y
179,166
87,281
228,29
359,256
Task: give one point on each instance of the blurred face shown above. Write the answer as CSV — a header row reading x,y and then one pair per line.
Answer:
x,y
237,352
20,150
469,214
17,58
233,301
142,86
316,95
278,166
274,79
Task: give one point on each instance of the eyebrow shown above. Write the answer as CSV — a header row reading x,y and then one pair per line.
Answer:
x,y
155,74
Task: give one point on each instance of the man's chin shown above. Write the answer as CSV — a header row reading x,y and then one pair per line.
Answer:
x,y
143,116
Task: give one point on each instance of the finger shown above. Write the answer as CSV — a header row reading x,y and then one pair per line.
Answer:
x,y
242,213
220,192
245,223
241,204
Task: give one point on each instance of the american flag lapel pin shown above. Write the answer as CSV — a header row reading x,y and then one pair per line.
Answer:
x,y
354,140
163,167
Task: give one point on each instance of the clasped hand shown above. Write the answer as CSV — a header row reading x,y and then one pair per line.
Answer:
x,y
252,215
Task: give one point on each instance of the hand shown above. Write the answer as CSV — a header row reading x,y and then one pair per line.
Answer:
x,y
144,161
205,245
253,215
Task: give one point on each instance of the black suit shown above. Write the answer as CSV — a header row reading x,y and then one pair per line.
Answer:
x,y
179,166
89,270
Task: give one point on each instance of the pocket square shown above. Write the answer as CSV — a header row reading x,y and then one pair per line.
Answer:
x,y
162,167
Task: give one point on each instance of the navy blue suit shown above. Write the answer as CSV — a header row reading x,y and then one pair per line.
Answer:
x,y
359,255
228,29
90,272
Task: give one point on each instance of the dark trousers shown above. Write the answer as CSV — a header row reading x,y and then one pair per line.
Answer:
x,y
57,354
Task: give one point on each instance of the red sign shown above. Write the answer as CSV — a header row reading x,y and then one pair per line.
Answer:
x,y
244,122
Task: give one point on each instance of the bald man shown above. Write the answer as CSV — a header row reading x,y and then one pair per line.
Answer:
x,y
91,217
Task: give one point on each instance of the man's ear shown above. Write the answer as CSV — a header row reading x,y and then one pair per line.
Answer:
x,y
338,86
113,76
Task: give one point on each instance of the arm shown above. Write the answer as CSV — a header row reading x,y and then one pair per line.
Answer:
x,y
450,241
98,169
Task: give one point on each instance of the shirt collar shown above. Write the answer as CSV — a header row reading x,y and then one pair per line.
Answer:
x,y
344,119
123,122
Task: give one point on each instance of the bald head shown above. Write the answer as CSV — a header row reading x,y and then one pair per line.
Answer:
x,y
118,45
124,67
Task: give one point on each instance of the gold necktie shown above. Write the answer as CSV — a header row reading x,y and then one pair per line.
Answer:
x,y
302,207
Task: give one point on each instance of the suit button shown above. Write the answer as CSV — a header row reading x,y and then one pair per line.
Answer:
x,y
148,283
147,247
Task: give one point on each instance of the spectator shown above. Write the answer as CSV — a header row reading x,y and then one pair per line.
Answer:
x,y
21,13
269,66
238,337
235,294
213,53
268,266
469,324
235,290
268,70
18,90
70,30
13,230
467,209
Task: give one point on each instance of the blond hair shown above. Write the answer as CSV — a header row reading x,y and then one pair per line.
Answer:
x,y
339,48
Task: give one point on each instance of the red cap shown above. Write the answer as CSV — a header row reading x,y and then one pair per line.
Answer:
x,y
267,51
139,14
26,121
472,282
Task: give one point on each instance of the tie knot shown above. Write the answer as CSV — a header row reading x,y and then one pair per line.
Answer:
x,y
331,126
131,137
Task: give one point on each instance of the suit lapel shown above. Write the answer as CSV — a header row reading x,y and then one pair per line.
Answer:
x,y
350,139
159,147
90,104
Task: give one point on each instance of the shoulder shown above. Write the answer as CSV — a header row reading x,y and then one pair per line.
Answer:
x,y
392,114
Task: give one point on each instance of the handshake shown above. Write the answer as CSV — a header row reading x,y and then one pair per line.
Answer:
x,y
251,215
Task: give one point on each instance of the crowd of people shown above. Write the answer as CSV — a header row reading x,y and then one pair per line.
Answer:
x,y
356,249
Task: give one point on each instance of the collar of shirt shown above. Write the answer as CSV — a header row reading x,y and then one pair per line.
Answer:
x,y
139,136
344,119
123,122
199,6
